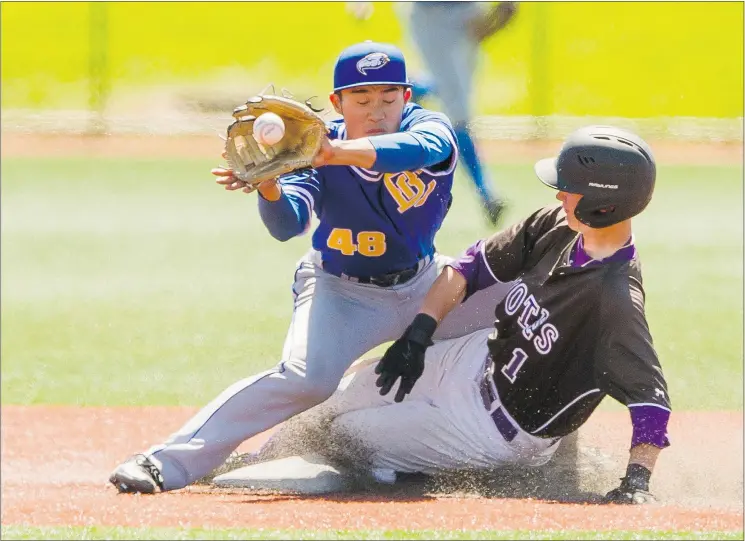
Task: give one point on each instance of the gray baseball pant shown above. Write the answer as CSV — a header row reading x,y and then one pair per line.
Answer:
x,y
334,322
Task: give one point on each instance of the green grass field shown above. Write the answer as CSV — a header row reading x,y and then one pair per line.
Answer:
x,y
140,282
20,532
136,282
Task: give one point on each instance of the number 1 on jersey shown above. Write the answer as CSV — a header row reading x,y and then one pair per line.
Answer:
x,y
511,369
369,243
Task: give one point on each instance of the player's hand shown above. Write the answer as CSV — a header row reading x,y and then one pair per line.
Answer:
x,y
325,154
629,496
405,360
225,178
634,488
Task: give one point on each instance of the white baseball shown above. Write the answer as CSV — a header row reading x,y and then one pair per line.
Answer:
x,y
269,129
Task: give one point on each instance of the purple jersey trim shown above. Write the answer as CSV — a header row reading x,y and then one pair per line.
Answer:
x,y
580,258
473,267
650,425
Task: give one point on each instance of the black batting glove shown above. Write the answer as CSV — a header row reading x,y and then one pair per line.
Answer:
x,y
405,358
634,487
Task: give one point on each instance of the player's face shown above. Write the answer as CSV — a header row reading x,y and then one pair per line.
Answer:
x,y
569,202
371,110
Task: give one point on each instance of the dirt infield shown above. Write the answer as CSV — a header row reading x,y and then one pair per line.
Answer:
x,y
55,461
210,146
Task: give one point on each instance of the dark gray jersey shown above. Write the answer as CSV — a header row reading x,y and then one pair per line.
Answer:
x,y
565,336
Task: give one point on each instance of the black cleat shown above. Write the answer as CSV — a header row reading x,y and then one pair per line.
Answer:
x,y
495,210
137,476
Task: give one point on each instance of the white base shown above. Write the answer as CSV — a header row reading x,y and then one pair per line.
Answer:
x,y
308,474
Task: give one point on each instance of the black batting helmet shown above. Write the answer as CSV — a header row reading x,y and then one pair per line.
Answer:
x,y
613,169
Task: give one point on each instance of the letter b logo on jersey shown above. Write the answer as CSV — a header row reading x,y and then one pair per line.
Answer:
x,y
408,189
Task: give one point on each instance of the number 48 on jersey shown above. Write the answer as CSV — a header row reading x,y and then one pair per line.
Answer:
x,y
369,243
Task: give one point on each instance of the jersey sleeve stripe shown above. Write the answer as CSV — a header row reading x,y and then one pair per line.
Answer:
x,y
301,192
369,176
486,263
562,410
442,130
648,404
303,195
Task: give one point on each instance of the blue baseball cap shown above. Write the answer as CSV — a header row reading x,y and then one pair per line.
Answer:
x,y
370,63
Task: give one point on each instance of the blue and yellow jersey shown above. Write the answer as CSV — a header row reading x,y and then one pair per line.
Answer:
x,y
373,222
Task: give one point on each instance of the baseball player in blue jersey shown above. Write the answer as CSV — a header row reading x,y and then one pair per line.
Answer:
x,y
449,36
380,188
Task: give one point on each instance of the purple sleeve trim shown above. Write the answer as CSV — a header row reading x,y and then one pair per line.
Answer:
x,y
650,425
472,266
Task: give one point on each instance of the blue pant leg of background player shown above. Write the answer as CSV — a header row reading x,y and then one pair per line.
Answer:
x,y
451,54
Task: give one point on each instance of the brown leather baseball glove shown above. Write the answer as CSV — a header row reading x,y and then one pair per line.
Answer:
x,y
254,163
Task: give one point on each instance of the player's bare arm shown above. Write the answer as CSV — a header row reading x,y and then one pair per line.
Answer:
x,y
472,272
445,294
405,358
634,486
645,455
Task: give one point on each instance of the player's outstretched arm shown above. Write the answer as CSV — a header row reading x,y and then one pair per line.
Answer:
x,y
422,146
357,152
446,293
634,487
629,371
285,213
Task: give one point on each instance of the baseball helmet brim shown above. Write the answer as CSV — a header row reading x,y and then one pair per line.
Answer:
x,y
547,173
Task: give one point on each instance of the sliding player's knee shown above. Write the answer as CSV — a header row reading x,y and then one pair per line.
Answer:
x,y
316,388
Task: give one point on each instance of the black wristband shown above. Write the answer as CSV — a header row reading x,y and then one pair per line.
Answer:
x,y
421,330
637,477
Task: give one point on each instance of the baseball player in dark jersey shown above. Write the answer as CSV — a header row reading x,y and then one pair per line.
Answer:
x,y
380,187
571,330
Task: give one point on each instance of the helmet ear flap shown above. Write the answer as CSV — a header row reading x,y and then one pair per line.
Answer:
x,y
597,214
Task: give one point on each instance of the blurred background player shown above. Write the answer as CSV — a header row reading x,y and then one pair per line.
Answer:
x,y
449,36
